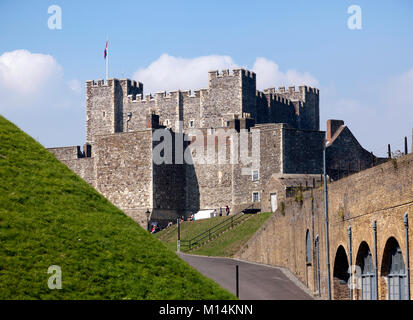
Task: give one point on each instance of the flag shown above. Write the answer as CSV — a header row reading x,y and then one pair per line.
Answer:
x,y
105,53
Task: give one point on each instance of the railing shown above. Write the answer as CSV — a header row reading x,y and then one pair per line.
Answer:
x,y
209,234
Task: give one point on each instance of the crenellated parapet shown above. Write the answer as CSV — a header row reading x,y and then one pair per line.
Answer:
x,y
118,105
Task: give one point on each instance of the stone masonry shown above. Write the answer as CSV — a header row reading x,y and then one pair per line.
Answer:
x,y
372,202
122,123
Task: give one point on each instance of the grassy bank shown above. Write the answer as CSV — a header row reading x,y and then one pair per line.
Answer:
x,y
226,244
49,216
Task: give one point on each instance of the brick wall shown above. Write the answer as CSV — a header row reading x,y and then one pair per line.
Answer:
x,y
382,194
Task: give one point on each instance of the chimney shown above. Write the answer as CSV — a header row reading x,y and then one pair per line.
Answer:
x,y
332,127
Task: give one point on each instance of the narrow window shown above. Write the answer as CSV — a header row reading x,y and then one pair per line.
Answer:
x,y
255,197
255,175
191,123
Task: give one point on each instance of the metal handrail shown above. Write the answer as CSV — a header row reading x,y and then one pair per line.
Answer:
x,y
210,232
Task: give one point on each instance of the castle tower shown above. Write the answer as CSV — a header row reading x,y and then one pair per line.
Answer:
x,y
307,107
104,105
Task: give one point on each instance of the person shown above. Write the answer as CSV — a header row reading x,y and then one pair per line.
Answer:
x,y
215,212
227,210
153,230
182,219
220,211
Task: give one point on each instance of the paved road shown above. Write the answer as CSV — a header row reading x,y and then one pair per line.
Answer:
x,y
256,282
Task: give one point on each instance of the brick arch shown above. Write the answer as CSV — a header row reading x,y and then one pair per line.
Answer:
x,y
391,246
366,273
341,290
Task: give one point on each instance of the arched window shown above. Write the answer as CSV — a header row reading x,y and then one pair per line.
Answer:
x,y
368,276
393,267
308,255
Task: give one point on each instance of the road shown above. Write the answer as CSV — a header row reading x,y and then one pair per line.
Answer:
x,y
256,282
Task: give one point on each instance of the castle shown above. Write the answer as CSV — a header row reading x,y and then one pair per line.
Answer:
x,y
121,123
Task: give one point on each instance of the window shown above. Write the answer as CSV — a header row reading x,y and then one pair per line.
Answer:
x,y
368,277
191,123
394,269
167,122
255,175
397,276
255,196
274,202
104,114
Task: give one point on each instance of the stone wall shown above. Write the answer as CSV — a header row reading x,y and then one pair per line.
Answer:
x,y
345,155
84,168
123,164
66,153
302,151
383,194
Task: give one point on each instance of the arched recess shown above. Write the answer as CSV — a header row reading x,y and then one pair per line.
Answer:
x,y
309,261
341,290
367,281
317,264
308,252
394,271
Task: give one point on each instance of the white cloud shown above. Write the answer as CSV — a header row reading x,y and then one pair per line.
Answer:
x,y
269,75
35,96
31,80
25,72
172,73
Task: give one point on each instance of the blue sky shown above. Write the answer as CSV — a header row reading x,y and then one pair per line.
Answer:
x,y
365,76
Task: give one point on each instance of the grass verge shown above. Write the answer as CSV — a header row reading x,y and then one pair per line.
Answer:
x,y
49,216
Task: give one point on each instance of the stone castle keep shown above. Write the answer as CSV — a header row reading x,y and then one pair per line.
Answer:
x,y
117,157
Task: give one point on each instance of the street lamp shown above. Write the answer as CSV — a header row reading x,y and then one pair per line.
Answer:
x,y
148,213
326,217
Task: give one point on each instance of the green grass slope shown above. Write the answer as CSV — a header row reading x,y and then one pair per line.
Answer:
x,y
226,244
49,216
189,229
230,242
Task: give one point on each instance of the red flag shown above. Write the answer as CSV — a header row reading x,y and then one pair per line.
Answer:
x,y
105,53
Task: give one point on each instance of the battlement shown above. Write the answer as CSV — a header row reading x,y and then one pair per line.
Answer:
x,y
301,89
98,83
131,87
239,72
273,96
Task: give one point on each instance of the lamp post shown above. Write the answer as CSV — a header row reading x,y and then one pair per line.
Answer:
x,y
326,219
148,213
